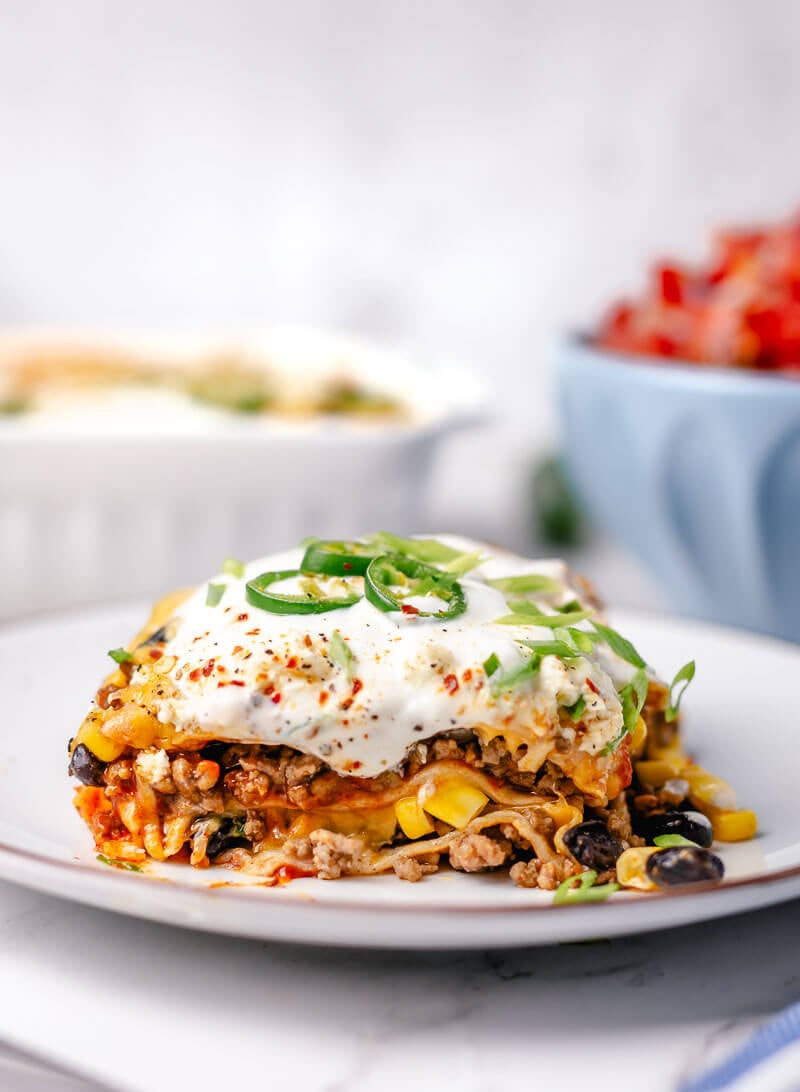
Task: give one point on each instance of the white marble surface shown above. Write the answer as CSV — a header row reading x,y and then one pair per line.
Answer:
x,y
145,1007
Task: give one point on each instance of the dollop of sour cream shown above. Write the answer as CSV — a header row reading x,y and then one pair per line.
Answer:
x,y
243,674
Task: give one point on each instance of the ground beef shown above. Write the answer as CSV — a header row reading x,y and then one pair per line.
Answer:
x,y
544,874
475,852
252,788
414,868
337,855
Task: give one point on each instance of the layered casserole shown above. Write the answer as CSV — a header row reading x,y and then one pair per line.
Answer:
x,y
396,705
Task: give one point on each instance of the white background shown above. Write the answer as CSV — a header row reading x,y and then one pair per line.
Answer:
x,y
472,177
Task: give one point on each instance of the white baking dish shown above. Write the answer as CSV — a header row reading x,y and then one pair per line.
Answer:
x,y
137,503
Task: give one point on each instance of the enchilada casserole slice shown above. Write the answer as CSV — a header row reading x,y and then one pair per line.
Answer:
x,y
397,705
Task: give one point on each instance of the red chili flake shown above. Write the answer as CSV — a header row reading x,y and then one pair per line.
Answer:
x,y
237,649
346,565
242,617
276,698
291,663
357,685
156,654
269,689
409,608
307,641
252,632
209,667
356,765
221,668
235,682
194,675
591,685
450,684
467,675
323,696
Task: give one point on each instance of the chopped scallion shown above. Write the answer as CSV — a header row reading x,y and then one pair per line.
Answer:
x,y
428,550
632,696
586,891
576,709
620,645
341,653
491,665
233,567
552,648
120,655
503,681
685,676
526,585
664,841
214,594
526,614
127,866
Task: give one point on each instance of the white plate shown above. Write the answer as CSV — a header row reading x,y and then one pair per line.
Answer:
x,y
741,719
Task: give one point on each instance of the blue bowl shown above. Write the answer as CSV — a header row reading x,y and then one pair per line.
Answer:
x,y
697,471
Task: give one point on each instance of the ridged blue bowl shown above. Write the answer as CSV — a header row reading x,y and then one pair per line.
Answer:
x,y
697,471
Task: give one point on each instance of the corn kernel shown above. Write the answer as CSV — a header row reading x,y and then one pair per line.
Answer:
x,y
734,826
656,771
638,738
632,868
101,746
706,790
455,802
672,752
413,821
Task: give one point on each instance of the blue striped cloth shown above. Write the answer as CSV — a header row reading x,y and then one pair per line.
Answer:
x,y
781,1032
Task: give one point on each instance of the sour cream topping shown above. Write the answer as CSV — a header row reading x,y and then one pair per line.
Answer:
x,y
239,673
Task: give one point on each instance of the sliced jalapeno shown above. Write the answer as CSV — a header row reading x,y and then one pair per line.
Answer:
x,y
385,572
338,558
258,593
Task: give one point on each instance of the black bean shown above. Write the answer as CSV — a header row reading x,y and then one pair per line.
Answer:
x,y
681,865
592,845
690,824
86,767
223,839
214,751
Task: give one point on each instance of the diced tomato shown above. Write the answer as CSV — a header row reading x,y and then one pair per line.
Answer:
x,y
742,309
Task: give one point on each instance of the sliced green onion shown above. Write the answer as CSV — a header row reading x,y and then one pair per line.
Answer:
x,y
620,645
576,709
465,563
586,891
584,641
258,593
214,594
389,570
685,676
522,585
633,696
428,550
570,608
120,655
526,614
127,866
664,841
503,681
341,653
552,648
338,558
233,567
491,665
